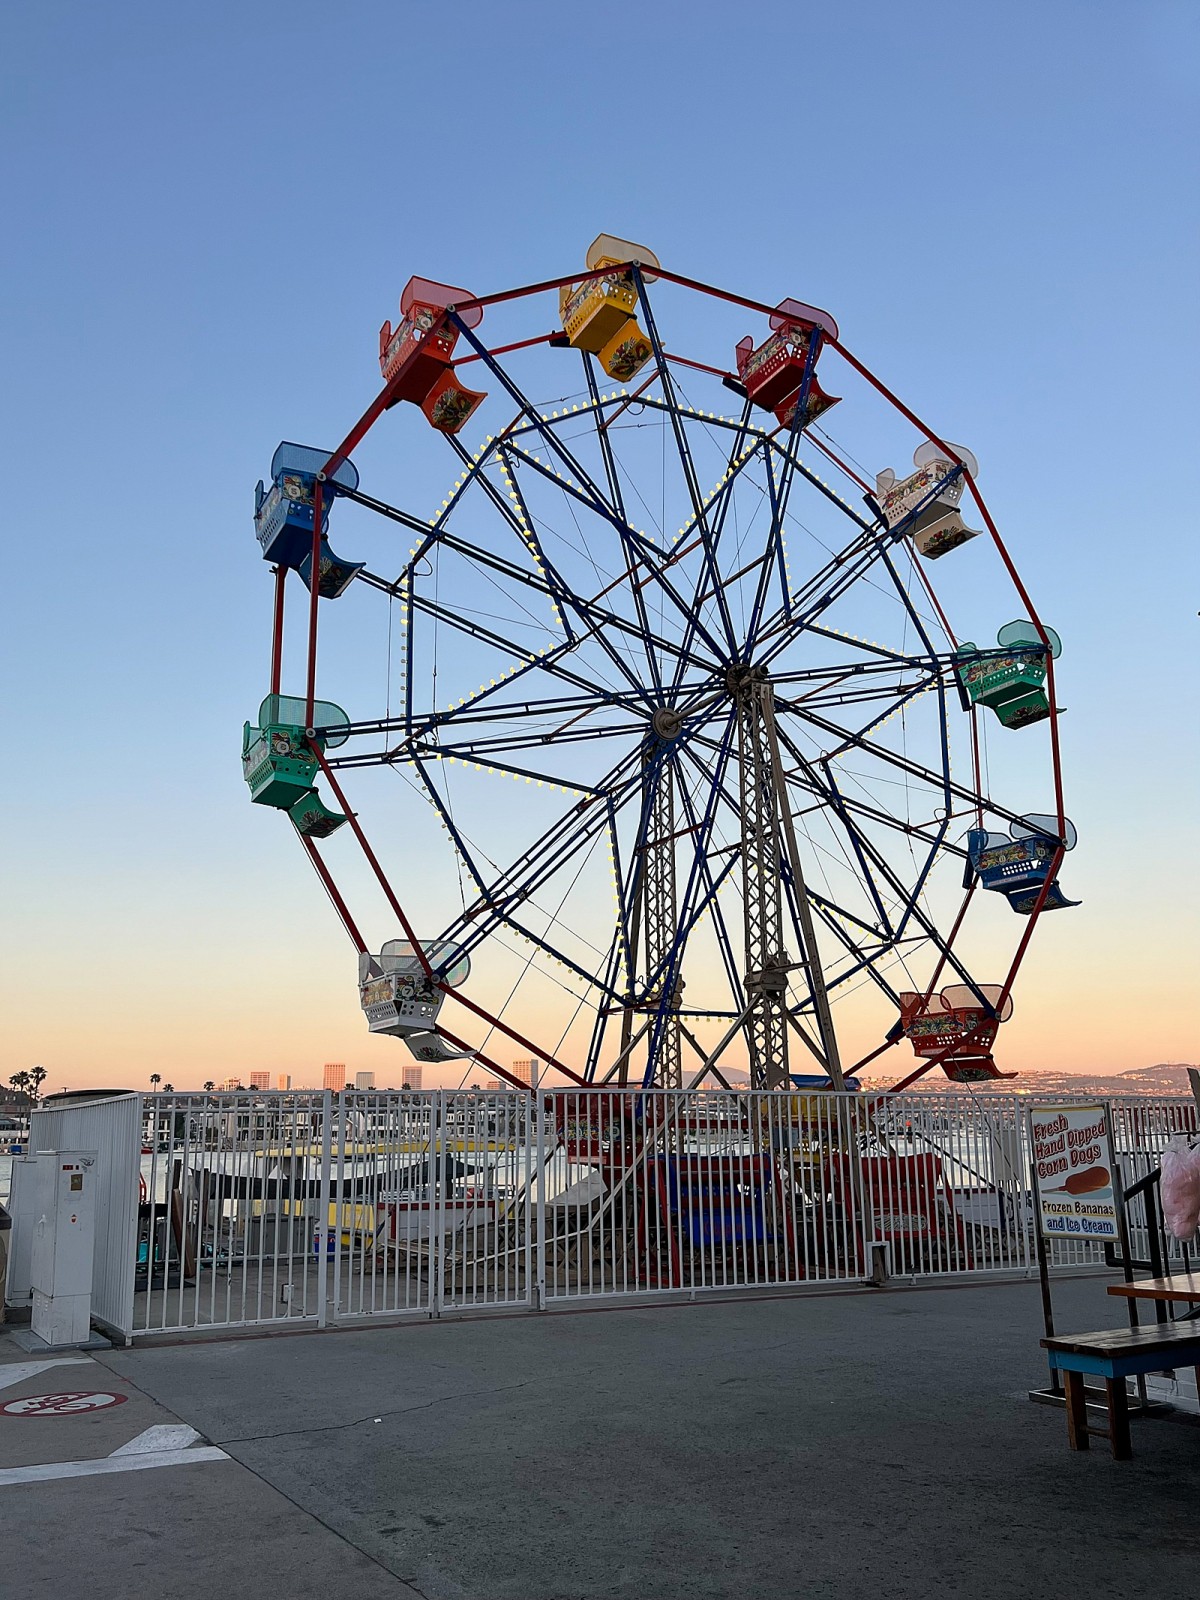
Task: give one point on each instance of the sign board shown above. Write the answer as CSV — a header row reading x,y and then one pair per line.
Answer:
x,y
1073,1170
65,1404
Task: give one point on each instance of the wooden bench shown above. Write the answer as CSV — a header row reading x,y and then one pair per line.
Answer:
x,y
1116,1354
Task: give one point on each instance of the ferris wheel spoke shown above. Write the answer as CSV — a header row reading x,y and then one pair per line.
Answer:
x,y
818,483
643,554
538,424
812,785
784,628
607,455
561,596
686,462
523,526
906,764
550,662
737,463
938,661
651,556
590,612
514,885
869,858
485,750
909,899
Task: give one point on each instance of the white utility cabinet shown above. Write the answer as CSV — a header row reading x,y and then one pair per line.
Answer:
x,y
63,1245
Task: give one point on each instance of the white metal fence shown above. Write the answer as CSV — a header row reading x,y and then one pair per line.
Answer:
x,y
267,1208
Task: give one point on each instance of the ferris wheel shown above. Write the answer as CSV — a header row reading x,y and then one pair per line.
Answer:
x,y
755,789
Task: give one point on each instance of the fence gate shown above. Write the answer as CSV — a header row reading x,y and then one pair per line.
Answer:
x,y
271,1208
431,1202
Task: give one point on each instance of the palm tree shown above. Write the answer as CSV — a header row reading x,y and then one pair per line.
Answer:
x,y
209,1086
29,1082
168,1088
156,1078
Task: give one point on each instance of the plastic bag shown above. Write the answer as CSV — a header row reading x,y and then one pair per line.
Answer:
x,y
1180,1186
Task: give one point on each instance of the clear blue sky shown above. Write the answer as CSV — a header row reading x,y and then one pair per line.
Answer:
x,y
208,212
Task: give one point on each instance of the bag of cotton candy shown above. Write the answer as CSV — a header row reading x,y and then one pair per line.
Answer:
x,y
1180,1186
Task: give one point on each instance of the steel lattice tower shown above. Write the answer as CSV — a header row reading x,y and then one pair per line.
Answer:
x,y
661,916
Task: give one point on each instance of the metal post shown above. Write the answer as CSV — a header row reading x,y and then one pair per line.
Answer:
x,y
321,1231
1043,1256
538,1297
277,632
437,1210
338,1194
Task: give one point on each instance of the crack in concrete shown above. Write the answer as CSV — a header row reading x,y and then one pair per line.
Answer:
x,y
358,1422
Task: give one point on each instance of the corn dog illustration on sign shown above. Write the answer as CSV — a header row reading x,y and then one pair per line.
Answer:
x,y
1073,1172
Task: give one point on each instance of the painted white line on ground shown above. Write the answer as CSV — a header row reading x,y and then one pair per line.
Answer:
x,y
135,1462
168,1444
20,1370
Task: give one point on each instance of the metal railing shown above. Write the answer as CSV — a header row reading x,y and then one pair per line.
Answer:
x,y
268,1208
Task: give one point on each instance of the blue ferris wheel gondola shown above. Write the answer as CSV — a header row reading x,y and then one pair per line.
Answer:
x,y
283,514
1018,863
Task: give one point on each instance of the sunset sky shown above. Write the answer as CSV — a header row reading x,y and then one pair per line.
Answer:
x,y
209,211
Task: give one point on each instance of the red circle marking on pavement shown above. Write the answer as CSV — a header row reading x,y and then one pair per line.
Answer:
x,y
64,1404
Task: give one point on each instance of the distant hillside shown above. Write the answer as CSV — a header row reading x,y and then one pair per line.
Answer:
x,y
1167,1078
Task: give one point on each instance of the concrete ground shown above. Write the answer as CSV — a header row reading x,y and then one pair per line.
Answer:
x,y
874,1442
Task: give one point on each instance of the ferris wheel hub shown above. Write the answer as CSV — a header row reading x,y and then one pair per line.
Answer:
x,y
741,675
666,723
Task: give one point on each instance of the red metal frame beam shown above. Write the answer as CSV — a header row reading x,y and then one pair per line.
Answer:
x,y
412,937
487,1061
314,589
277,630
519,1038
503,349
951,455
331,890
370,855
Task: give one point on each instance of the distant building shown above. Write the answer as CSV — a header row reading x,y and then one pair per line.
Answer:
x,y
231,1085
526,1071
285,1080
494,1084
412,1077
335,1075
364,1080
260,1080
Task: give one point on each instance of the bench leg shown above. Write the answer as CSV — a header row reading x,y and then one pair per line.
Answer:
x,y
1077,1434
1118,1419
